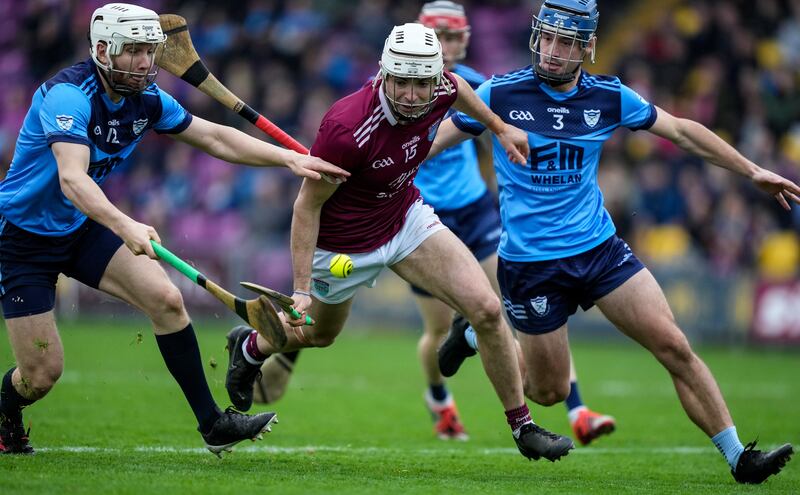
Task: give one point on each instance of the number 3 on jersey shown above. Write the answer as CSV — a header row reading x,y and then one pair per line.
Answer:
x,y
559,122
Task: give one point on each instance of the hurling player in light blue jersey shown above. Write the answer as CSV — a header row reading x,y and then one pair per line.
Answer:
x,y
451,182
54,218
558,249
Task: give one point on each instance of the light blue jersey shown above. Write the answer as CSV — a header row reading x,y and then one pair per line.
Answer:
x,y
452,179
72,107
553,208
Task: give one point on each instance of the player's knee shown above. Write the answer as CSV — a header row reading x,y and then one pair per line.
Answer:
x,y
37,382
166,299
545,396
173,300
485,315
674,352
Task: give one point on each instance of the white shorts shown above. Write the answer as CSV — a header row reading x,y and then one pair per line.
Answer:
x,y
421,222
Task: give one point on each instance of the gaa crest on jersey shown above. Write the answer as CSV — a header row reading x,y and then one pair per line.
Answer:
x,y
539,304
591,117
138,126
433,129
64,122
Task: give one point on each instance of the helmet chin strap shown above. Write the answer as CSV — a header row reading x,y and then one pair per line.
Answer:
x,y
118,88
553,78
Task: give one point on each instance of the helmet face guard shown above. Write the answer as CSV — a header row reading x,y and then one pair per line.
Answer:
x,y
411,52
563,21
123,77
448,19
123,27
409,111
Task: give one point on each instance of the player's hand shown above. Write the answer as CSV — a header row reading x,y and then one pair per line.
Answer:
x,y
302,303
137,237
782,189
515,142
316,168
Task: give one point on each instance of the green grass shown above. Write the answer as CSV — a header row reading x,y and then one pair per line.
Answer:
x,y
354,422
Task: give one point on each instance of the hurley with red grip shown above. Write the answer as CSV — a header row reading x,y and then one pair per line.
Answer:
x,y
178,57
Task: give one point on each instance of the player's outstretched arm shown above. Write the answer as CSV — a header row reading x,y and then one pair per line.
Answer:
x,y
513,140
232,145
697,139
447,136
305,230
86,195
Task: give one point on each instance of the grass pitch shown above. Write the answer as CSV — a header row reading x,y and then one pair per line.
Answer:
x,y
353,421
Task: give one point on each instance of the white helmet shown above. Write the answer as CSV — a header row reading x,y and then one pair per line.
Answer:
x,y
117,24
412,51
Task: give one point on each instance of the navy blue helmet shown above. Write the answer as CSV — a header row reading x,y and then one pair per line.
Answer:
x,y
573,21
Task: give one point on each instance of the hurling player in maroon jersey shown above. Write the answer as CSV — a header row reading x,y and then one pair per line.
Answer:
x,y
381,134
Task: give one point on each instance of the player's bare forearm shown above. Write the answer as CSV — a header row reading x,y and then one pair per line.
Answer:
x,y
73,162
448,135
469,103
80,189
234,146
697,139
513,140
305,229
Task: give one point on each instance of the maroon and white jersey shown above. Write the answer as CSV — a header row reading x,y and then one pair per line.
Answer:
x,y
360,134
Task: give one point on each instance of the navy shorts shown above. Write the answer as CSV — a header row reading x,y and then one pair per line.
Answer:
x,y
30,264
539,296
476,224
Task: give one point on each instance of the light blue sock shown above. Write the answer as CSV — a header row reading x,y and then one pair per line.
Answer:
x,y
472,339
727,441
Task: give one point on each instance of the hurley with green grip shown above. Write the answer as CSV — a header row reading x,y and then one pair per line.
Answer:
x,y
282,300
258,313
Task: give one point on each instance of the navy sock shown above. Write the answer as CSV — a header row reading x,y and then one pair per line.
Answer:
x,y
574,397
438,392
182,357
11,402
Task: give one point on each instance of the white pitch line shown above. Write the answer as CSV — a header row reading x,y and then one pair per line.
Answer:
x,y
311,449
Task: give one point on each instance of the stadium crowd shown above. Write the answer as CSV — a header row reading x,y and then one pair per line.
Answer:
x,y
731,65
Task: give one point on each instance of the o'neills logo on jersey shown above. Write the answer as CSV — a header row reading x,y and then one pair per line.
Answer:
x,y
520,115
414,140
